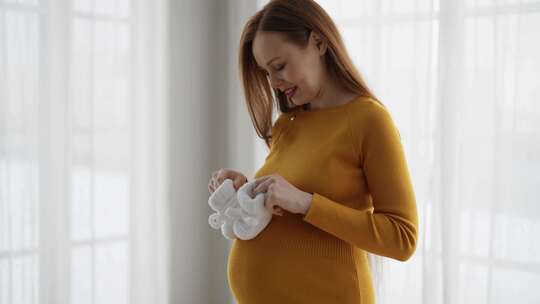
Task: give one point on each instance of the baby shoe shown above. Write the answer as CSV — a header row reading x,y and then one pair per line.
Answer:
x,y
237,214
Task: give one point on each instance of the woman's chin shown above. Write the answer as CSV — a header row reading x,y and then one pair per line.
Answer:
x,y
299,103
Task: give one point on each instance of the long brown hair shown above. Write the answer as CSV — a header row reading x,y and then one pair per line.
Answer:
x,y
295,19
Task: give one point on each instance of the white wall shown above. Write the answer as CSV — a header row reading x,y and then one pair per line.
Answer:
x,y
210,128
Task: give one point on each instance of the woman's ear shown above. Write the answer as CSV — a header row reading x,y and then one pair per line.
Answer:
x,y
319,43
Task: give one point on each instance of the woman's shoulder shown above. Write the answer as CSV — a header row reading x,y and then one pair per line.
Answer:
x,y
367,104
367,110
370,116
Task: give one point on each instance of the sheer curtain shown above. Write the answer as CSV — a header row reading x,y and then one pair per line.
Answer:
x,y
461,79
82,152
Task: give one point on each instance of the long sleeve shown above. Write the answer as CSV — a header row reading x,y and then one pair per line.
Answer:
x,y
391,228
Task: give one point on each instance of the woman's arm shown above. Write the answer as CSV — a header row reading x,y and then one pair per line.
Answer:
x,y
391,229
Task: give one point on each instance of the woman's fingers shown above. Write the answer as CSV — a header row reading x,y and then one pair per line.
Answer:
x,y
222,174
277,211
239,180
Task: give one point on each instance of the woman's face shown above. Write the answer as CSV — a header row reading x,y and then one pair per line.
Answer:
x,y
288,66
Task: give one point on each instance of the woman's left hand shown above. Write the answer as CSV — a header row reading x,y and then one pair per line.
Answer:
x,y
280,193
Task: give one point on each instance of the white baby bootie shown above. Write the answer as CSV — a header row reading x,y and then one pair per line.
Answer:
x,y
238,215
221,199
255,215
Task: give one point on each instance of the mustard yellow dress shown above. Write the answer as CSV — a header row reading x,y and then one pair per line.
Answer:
x,y
351,159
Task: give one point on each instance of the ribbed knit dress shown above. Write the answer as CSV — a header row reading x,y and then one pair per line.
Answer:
x,y
351,159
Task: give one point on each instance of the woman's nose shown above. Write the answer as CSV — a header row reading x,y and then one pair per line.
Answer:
x,y
275,83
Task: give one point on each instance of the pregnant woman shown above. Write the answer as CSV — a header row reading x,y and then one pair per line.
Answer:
x,y
336,176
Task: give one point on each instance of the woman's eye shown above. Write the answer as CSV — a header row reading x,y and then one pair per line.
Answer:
x,y
277,69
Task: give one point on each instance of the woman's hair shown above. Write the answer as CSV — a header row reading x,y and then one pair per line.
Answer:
x,y
294,19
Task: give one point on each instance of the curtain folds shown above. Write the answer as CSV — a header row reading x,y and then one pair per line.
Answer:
x,y
83,213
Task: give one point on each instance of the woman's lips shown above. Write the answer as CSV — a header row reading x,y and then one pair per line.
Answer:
x,y
290,93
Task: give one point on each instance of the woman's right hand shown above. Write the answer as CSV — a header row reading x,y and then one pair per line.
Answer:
x,y
222,174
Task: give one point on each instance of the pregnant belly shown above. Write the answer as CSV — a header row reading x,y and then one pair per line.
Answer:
x,y
279,266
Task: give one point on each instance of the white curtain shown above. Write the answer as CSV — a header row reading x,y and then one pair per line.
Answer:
x,y
82,152
462,81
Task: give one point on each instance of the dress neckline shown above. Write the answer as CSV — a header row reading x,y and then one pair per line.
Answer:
x,y
328,109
